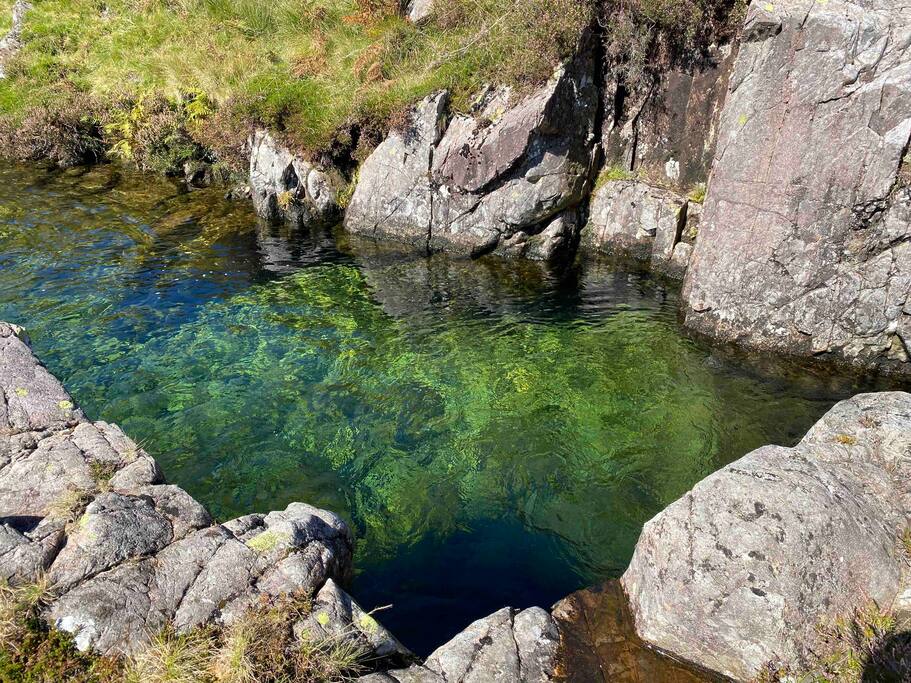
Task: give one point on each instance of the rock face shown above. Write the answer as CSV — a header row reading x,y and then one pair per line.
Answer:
x,y
508,646
806,241
744,568
507,178
9,44
668,129
127,553
632,218
285,186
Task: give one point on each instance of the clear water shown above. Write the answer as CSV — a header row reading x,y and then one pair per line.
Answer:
x,y
495,433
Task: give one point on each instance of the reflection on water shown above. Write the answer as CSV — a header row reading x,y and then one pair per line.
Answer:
x,y
495,433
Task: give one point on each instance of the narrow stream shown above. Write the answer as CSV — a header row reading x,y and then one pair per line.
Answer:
x,y
496,433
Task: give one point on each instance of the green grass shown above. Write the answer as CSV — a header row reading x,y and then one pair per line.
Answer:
x,y
308,67
259,647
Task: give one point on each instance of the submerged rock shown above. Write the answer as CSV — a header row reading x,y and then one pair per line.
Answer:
x,y
126,553
745,568
493,180
285,186
805,245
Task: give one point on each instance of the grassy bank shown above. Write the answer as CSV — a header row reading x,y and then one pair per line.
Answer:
x,y
260,647
329,74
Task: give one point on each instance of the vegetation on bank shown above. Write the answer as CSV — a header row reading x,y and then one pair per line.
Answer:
x,y
162,81
261,647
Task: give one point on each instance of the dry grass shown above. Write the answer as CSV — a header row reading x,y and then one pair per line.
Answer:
x,y
866,647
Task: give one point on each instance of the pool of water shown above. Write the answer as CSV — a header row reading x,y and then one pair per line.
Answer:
x,y
495,433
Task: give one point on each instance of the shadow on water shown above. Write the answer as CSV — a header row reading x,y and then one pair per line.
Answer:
x,y
495,433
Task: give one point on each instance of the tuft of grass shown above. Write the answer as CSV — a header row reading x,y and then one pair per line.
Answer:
x,y
864,646
261,647
18,604
69,505
30,651
172,657
697,194
613,173
102,473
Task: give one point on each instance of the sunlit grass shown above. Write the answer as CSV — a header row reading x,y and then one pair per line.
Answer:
x,y
307,66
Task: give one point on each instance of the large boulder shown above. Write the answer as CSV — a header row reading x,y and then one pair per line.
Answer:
x,y
126,553
805,245
509,646
285,186
745,568
508,176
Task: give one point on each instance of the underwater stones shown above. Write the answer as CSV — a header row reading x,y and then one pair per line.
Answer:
x,y
126,553
805,239
632,218
487,181
284,186
743,569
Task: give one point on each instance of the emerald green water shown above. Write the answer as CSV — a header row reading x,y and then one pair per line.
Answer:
x,y
495,433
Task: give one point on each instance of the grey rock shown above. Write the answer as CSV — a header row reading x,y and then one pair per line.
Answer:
x,y
680,260
114,528
804,246
26,556
337,617
509,645
744,568
492,179
11,42
418,10
632,218
393,196
126,553
31,399
198,173
285,186
555,239
667,129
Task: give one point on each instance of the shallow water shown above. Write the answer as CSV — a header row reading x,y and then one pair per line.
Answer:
x,y
495,433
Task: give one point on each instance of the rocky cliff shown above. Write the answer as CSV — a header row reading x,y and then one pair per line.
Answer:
x,y
804,247
507,178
